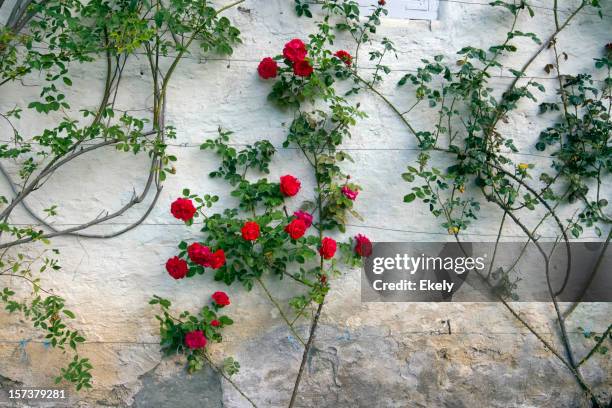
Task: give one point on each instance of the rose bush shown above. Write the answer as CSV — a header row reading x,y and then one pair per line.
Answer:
x,y
188,334
281,228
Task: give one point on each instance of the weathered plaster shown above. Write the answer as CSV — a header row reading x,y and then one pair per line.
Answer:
x,y
387,355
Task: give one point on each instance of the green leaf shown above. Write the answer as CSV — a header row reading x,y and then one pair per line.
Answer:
x,y
226,321
69,313
408,198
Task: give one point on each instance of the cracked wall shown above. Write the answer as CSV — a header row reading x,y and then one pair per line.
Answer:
x,y
367,355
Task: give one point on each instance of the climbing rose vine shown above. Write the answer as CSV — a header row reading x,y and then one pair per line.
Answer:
x,y
190,335
280,228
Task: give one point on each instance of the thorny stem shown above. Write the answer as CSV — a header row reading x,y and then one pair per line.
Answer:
x,y
297,279
527,64
36,287
315,320
228,379
499,233
569,364
388,102
311,336
280,311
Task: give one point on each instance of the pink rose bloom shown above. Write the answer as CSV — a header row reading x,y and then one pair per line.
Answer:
x,y
363,245
348,193
195,339
304,216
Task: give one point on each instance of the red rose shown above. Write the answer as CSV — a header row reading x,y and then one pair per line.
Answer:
x,y
381,2
296,228
177,267
328,248
217,259
363,246
250,231
304,216
295,50
199,254
344,56
289,185
350,194
215,323
302,68
183,209
267,68
221,299
609,47
195,339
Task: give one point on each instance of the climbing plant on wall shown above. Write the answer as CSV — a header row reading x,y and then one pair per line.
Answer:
x,y
279,229
483,169
45,41
468,132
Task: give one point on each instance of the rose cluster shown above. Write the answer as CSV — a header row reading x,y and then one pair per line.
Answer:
x,y
199,255
302,220
289,186
189,334
196,339
295,57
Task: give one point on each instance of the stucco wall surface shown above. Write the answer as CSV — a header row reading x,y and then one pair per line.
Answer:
x,y
367,355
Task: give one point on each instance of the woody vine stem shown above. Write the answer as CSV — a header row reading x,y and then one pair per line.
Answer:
x,y
51,37
491,167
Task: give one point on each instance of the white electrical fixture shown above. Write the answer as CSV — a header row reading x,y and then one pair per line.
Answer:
x,y
408,9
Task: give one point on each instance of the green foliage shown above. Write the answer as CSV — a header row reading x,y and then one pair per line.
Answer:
x,y
467,132
46,312
580,145
173,329
257,157
274,250
342,15
469,113
602,341
77,372
318,133
231,366
47,40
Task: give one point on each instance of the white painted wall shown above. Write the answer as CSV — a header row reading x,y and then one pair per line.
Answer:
x,y
108,282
